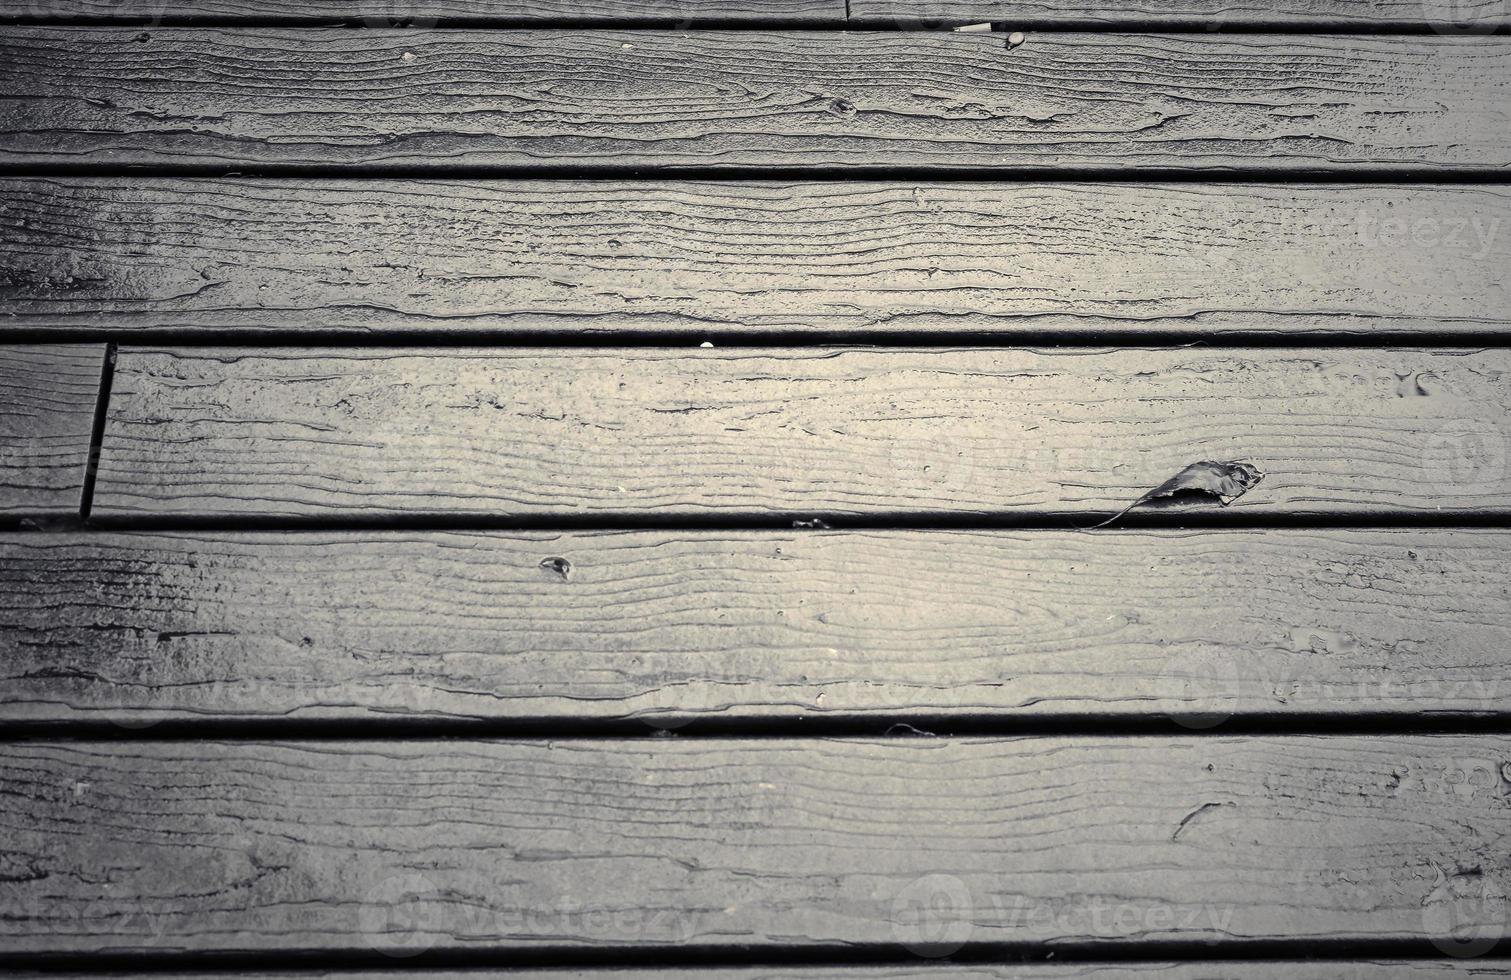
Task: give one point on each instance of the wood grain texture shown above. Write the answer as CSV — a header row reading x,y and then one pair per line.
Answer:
x,y
1445,16
227,99
403,845
1316,969
47,408
222,257
421,13
791,432
672,627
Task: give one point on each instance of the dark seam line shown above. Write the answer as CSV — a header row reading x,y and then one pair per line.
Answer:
x,y
97,432
1155,518
877,24
892,723
734,957
1492,176
607,340
1151,516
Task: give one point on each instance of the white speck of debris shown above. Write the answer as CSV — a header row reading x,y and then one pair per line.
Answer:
x,y
408,56
706,343
626,46
1015,38
973,29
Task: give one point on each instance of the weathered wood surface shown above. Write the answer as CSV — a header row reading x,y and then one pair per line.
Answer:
x,y
48,397
789,432
420,13
1445,16
351,257
227,99
402,845
670,627
1314,969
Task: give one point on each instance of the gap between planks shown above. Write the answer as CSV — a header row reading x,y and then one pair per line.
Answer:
x,y
97,433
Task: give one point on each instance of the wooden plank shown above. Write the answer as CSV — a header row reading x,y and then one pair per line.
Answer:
x,y
670,627
226,99
749,845
833,431
223,257
47,407
1312,969
422,13
1444,16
